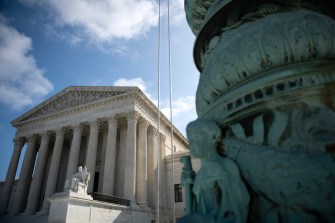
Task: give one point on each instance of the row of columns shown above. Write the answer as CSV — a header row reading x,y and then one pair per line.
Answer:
x,y
137,155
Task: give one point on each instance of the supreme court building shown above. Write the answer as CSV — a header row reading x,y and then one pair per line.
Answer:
x,y
113,132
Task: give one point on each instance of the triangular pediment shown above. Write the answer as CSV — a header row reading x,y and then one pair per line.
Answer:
x,y
72,97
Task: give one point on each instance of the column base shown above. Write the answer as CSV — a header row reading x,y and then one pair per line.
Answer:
x,y
43,211
13,213
144,205
25,213
134,204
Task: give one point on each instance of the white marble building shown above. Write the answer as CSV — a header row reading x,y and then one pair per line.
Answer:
x,y
110,130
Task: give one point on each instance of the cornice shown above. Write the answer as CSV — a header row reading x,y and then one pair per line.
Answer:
x,y
144,103
77,109
135,98
79,89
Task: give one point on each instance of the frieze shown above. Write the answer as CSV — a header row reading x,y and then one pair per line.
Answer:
x,y
103,109
115,100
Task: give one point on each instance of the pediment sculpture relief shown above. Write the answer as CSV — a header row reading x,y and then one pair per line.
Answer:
x,y
72,99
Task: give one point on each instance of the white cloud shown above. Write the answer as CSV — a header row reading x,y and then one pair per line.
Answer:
x,y
21,81
137,82
183,111
177,13
102,21
179,106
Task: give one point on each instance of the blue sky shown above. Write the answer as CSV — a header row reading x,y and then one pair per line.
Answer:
x,y
46,46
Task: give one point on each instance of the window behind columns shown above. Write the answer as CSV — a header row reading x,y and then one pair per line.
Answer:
x,y
178,193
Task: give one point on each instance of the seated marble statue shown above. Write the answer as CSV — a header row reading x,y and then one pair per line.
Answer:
x,y
219,193
79,181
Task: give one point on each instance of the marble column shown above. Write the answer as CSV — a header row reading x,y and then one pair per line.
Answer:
x,y
39,173
109,168
10,176
102,159
130,170
152,166
74,151
92,153
25,177
121,160
162,183
141,176
54,169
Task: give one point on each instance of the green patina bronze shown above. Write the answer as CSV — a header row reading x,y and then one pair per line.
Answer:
x,y
265,102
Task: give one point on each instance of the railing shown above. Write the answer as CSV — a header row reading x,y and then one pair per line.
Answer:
x,y
110,199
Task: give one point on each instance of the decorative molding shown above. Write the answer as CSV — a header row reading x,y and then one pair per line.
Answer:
x,y
274,86
60,131
143,124
70,100
94,124
233,13
45,134
77,127
132,116
162,137
267,44
152,131
116,94
112,121
31,138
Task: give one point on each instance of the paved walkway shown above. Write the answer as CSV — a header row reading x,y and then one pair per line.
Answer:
x,y
36,218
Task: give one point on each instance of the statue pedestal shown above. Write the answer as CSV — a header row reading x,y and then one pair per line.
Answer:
x,y
70,207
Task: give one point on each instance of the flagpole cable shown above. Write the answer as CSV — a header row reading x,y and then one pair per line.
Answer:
x,y
171,121
159,113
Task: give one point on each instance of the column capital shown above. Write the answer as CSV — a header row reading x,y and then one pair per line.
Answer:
x,y
19,141
60,131
132,116
122,124
77,127
162,136
31,138
143,123
112,119
45,134
94,123
152,131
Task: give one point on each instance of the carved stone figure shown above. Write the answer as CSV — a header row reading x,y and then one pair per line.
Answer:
x,y
267,80
79,181
219,194
291,175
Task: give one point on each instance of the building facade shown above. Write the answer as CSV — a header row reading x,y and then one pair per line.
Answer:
x,y
112,131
